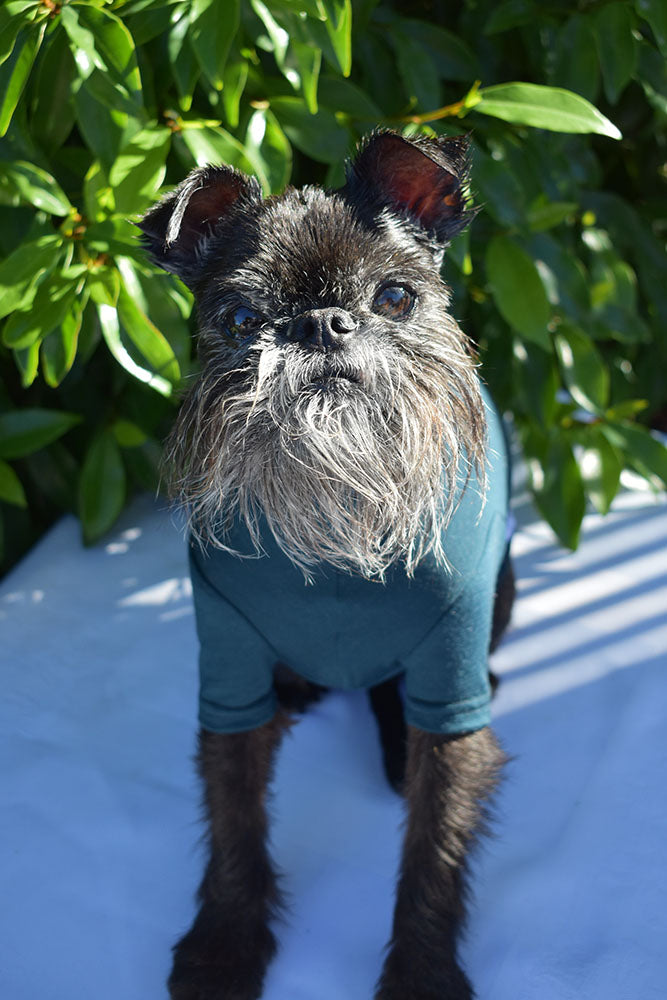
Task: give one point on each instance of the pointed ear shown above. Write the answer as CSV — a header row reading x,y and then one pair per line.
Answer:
x,y
422,178
173,231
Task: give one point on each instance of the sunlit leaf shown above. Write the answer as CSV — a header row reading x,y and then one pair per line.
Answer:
x,y
641,450
543,107
35,186
52,301
139,169
15,71
212,28
558,490
601,467
22,270
517,289
584,372
269,150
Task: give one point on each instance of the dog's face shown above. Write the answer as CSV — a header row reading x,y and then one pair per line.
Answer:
x,y
337,398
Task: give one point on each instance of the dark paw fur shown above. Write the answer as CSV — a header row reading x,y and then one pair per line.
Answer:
x,y
212,963
387,706
453,987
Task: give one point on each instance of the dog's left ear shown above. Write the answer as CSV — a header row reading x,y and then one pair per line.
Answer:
x,y
421,178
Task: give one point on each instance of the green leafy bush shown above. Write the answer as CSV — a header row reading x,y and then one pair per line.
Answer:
x,y
560,280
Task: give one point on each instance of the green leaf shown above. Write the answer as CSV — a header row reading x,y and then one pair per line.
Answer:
x,y
518,290
319,136
183,60
53,114
308,60
536,382
110,326
128,435
601,467
11,490
23,432
10,26
617,48
641,450
212,28
58,350
15,71
22,271
101,487
52,301
584,372
214,145
234,78
104,55
168,304
104,129
138,171
627,408
339,28
558,490
452,57
500,192
655,13
544,214
337,94
145,336
418,72
271,154
510,14
36,187
567,273
576,64
543,107
27,362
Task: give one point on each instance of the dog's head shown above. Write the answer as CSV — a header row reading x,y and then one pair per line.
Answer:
x,y
337,397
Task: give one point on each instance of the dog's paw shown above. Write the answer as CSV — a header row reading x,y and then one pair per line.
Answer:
x,y
445,984
412,991
210,964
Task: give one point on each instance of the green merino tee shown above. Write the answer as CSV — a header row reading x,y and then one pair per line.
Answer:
x,y
344,631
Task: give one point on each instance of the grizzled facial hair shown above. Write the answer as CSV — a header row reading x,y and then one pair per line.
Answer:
x,y
357,456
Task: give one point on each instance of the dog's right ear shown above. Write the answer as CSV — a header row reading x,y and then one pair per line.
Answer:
x,y
175,231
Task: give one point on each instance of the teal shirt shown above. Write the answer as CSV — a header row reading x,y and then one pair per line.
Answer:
x,y
344,631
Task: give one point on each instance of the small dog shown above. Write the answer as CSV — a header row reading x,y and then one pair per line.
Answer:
x,y
345,479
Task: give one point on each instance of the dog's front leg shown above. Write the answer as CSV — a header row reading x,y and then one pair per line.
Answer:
x,y
448,781
225,953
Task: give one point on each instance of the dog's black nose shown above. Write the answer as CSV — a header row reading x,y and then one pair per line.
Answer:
x,y
321,329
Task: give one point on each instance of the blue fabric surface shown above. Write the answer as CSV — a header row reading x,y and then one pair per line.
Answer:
x,y
345,632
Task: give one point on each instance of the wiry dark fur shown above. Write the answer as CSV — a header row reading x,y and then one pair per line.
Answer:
x,y
341,444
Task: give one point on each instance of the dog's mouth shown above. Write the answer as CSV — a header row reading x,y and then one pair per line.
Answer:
x,y
336,380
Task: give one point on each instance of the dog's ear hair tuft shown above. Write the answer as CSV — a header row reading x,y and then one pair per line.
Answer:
x,y
175,230
422,178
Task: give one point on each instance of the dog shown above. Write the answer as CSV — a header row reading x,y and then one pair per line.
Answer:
x,y
344,476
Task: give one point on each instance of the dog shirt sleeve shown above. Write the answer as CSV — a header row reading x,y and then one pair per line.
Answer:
x,y
235,660
447,676
447,673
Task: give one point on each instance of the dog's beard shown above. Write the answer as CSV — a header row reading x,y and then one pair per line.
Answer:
x,y
354,465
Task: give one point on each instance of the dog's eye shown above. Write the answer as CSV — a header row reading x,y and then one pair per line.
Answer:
x,y
393,301
241,322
